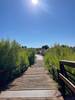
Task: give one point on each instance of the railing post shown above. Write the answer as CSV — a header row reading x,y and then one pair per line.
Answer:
x,y
63,72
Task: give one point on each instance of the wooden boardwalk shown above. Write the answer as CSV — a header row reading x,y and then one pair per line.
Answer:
x,y
35,84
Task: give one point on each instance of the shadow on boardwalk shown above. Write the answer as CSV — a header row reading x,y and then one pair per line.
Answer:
x,y
69,97
7,85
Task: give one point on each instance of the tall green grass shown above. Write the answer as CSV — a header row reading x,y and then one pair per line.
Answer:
x,y
57,53
14,59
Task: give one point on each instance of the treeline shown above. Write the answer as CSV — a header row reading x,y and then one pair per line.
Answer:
x,y
14,60
57,53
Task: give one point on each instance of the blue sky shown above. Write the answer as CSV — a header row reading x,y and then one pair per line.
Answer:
x,y
49,22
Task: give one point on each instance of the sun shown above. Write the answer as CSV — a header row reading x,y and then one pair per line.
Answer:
x,y
35,2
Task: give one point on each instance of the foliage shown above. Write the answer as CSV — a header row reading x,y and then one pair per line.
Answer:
x,y
57,53
14,59
45,47
31,56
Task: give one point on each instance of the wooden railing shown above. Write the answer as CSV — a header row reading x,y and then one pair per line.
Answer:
x,y
64,78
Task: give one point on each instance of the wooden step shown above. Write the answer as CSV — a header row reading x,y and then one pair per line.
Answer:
x,y
31,95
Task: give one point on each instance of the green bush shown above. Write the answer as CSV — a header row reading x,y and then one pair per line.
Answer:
x,y
31,56
57,53
14,59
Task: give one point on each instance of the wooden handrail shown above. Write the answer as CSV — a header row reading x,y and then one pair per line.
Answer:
x,y
69,63
64,77
67,82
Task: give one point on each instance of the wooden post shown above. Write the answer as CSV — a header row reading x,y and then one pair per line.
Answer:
x,y
63,72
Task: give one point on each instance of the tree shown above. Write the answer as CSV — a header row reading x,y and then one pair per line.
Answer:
x,y
45,47
25,47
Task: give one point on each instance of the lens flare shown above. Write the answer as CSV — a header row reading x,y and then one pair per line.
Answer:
x,y
35,2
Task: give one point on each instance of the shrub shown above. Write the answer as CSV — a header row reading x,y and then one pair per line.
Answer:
x,y
31,56
14,59
57,53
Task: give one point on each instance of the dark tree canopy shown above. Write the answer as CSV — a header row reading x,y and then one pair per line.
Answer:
x,y
24,47
45,47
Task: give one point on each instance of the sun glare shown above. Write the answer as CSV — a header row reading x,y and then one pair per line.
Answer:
x,y
35,2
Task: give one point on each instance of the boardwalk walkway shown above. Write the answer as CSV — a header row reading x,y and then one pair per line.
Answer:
x,y
35,84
